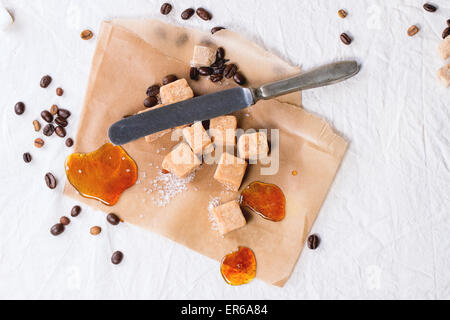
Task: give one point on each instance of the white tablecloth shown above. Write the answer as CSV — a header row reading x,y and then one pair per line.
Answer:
x,y
385,226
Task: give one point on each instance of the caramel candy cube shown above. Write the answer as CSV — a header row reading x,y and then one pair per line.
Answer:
x,y
197,138
181,161
223,130
155,136
230,171
444,49
175,92
444,74
229,217
253,145
203,56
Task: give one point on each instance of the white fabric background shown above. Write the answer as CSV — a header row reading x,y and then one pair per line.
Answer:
x,y
385,226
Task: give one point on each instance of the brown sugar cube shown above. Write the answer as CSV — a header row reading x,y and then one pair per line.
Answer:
x,y
253,145
181,161
203,56
444,74
198,139
155,136
230,171
175,92
223,130
444,49
229,217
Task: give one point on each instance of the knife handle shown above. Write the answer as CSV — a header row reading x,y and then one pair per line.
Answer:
x,y
322,76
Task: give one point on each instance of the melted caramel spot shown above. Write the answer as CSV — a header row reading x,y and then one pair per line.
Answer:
x,y
239,267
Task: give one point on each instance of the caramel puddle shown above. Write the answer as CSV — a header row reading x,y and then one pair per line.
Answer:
x,y
265,199
239,267
103,174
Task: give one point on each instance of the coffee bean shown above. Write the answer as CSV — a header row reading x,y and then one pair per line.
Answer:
x,y
150,102
38,143
342,13
219,63
61,122
169,78
153,90
63,113
448,22
47,116
215,29
187,14
412,30
57,229
19,108
64,220
429,7
50,180
75,211
446,33
220,54
204,14
166,8
230,70
345,38
216,77
117,257
95,230
54,109
36,125
48,130
219,70
45,81
313,241
69,142
239,79
27,157
113,219
205,71
59,92
60,131
86,34
193,73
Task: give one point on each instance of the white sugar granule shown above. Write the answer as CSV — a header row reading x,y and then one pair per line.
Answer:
x,y
167,186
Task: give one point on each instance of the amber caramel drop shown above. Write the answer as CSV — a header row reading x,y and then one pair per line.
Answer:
x,y
103,174
239,267
265,199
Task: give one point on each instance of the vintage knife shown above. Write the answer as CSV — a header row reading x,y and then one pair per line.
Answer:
x,y
224,102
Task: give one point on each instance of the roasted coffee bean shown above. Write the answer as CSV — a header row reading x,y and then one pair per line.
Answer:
x,y
205,71
86,34
220,54
169,78
219,63
448,22
239,79
75,211
57,229
63,113
215,29
150,102
429,7
193,73
342,13
45,81
64,220
153,90
59,92
313,241
204,14
230,70
117,257
165,8
219,70
446,33
216,77
54,109
412,30
61,122
187,14
113,219
19,108
50,180
48,130
27,157
95,230
36,125
47,116
38,143
60,131
69,142
345,38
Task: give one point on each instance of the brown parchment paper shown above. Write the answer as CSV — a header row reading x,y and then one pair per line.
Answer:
x,y
134,54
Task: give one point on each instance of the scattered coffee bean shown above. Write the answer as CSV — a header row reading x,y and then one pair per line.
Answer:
x,y
117,257
215,29
345,38
446,33
54,109
187,14
86,34
169,78
75,211
48,130
153,90
36,125
412,30
27,157
205,71
219,63
239,79
204,14
313,241
448,22
64,220
45,81
57,229
63,113
61,122
150,102
113,219
95,230
230,70
219,70
59,92
342,13
216,77
47,116
193,73
429,7
69,142
166,8
38,143
50,180
60,131
220,54
19,108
